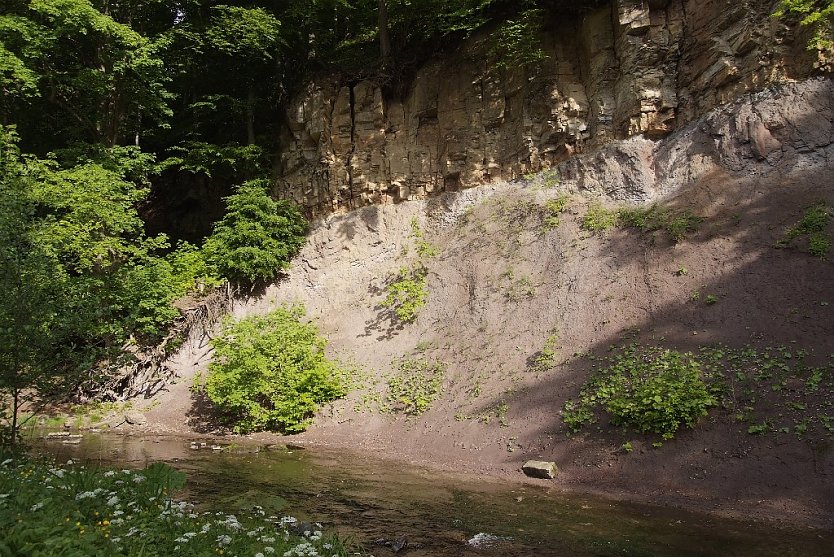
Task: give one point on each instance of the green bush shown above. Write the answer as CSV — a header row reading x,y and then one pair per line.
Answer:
x,y
270,372
415,386
75,511
257,236
648,389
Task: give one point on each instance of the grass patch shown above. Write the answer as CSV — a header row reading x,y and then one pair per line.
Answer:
x,y
813,227
598,218
769,390
551,211
415,385
676,224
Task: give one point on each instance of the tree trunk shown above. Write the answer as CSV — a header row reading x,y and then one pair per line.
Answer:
x,y
13,432
384,34
250,116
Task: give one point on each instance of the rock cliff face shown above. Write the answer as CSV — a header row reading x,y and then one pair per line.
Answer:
x,y
634,67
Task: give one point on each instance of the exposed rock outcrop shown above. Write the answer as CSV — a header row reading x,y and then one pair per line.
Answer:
x,y
631,68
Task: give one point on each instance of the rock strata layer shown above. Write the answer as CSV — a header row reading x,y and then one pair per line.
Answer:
x,y
631,68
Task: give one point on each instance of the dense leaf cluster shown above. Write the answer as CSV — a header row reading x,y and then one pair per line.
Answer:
x,y
271,372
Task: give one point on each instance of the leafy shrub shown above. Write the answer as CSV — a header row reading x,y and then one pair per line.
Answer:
x,y
415,386
270,372
257,236
72,510
148,287
648,389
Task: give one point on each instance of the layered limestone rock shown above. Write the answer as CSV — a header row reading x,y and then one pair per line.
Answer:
x,y
633,68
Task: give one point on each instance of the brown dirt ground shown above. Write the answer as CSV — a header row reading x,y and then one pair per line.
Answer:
x,y
487,325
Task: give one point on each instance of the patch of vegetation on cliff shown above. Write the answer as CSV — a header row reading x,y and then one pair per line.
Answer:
x,y
812,227
644,388
270,372
415,385
769,390
407,291
676,224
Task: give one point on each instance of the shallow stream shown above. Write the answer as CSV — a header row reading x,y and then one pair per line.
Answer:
x,y
437,514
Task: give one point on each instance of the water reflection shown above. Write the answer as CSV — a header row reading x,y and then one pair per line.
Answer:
x,y
389,506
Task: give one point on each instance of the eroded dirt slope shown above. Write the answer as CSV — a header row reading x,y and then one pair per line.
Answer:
x,y
505,279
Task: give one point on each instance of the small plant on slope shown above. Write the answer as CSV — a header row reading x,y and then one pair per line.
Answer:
x,y
813,225
408,291
415,385
598,218
649,219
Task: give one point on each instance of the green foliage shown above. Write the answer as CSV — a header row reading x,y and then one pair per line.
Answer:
x,y
772,389
257,236
598,218
648,389
814,226
271,372
407,292
47,509
814,13
677,224
229,160
517,42
101,76
649,219
548,356
416,384
552,209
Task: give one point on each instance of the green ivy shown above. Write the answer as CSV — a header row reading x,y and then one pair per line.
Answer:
x,y
271,373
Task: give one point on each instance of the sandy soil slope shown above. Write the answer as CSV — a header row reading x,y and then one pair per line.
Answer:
x,y
504,281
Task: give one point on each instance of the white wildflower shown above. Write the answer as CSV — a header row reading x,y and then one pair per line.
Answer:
x,y
36,507
224,539
113,501
6,462
109,474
